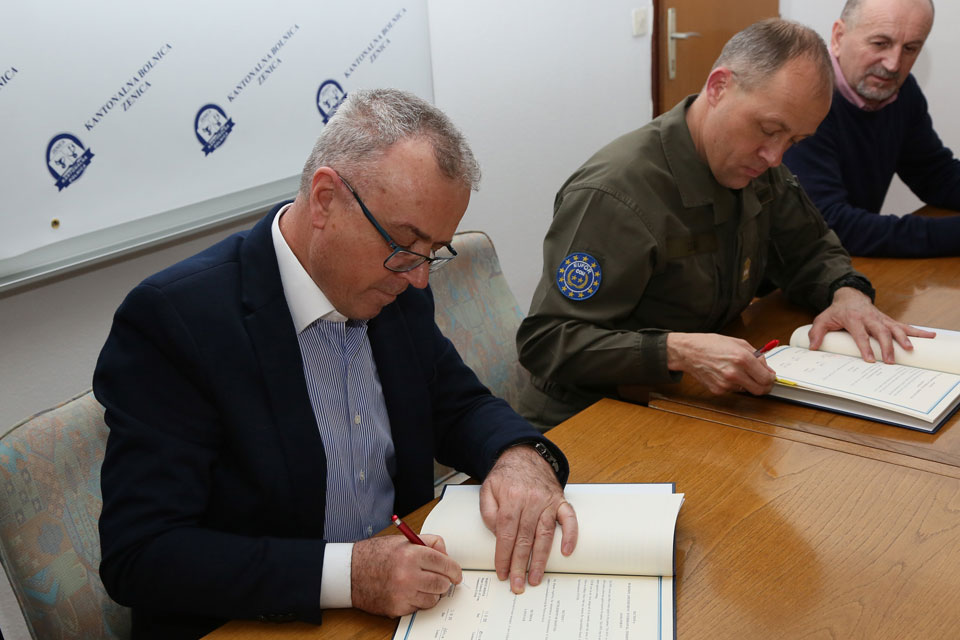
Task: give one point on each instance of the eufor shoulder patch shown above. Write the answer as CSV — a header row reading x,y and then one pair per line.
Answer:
x,y
579,276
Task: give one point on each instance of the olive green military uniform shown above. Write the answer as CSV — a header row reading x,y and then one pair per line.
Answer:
x,y
661,246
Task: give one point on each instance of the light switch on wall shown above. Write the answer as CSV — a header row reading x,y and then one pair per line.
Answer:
x,y
640,22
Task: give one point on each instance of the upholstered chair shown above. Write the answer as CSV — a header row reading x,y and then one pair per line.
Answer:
x,y
50,501
476,310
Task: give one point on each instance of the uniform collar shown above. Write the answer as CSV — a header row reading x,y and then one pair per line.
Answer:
x,y
695,181
305,299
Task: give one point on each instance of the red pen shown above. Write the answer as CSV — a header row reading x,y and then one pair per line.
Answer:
x,y
762,350
407,531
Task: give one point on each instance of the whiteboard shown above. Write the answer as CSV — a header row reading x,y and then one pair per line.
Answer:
x,y
131,123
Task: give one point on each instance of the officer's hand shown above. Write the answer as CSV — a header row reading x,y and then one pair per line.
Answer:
x,y
719,363
853,311
392,577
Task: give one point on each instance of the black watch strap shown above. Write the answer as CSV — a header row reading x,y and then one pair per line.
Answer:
x,y
857,282
547,455
552,455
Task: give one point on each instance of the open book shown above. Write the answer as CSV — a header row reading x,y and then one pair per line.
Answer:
x,y
921,391
617,584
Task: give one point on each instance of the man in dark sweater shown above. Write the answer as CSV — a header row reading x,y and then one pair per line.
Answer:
x,y
878,125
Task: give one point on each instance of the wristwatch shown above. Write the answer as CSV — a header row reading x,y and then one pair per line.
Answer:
x,y
559,465
859,283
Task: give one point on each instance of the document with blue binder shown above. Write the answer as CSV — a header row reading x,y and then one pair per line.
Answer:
x,y
920,391
618,582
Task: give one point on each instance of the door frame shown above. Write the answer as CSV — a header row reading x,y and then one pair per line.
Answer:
x,y
655,35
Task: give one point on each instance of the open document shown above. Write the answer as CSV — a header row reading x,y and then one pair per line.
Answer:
x,y
617,584
919,392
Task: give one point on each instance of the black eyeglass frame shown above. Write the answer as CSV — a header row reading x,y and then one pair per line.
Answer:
x,y
433,262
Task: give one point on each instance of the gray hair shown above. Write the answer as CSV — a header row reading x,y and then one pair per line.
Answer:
x,y
370,121
760,50
851,11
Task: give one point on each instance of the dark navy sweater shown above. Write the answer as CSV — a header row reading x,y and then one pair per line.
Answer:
x,y
846,168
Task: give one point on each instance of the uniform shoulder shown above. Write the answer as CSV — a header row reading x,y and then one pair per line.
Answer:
x,y
625,167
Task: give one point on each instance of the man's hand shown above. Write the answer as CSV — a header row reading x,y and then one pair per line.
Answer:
x,y
719,363
392,577
521,502
853,311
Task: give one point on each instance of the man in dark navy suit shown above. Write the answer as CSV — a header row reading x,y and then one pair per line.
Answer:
x,y
275,398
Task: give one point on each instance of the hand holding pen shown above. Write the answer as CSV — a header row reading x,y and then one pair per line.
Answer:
x,y
393,577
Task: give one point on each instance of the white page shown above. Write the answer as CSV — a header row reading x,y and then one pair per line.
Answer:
x,y
916,392
941,353
561,607
626,530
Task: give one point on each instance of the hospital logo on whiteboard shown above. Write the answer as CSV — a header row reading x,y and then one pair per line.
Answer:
x,y
67,159
330,96
212,127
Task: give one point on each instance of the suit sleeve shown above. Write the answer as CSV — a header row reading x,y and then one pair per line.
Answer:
x,y
159,552
926,165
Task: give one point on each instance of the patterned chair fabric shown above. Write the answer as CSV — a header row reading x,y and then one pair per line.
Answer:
x,y
50,502
476,310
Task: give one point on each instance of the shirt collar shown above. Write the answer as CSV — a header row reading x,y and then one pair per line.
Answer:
x,y
695,181
848,92
304,298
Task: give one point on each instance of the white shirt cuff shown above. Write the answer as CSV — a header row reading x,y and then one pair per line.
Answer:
x,y
335,582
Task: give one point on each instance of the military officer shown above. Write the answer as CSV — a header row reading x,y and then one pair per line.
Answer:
x,y
667,233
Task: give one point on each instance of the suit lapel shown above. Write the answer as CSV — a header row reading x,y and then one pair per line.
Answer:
x,y
274,340
399,359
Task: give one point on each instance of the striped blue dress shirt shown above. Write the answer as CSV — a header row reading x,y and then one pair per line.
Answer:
x,y
348,405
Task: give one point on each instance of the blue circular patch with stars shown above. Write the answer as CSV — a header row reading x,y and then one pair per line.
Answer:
x,y
578,276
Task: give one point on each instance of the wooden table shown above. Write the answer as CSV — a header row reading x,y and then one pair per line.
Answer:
x,y
777,538
916,291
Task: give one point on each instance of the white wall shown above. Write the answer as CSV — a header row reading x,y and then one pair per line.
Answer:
x,y
537,87
51,334
932,70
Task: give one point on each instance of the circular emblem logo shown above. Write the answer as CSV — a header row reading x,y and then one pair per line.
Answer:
x,y
212,127
330,96
579,276
67,159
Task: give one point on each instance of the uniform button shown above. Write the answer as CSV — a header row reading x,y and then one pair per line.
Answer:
x,y
369,530
356,419
363,476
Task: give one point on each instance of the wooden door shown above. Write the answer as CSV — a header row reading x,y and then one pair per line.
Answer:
x,y
715,22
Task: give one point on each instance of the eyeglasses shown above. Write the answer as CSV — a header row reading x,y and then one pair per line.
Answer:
x,y
403,260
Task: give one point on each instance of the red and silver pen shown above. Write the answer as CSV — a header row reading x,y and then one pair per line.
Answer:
x,y
407,531
762,350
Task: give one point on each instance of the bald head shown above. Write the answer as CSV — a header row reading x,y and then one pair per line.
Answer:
x,y
851,9
877,43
